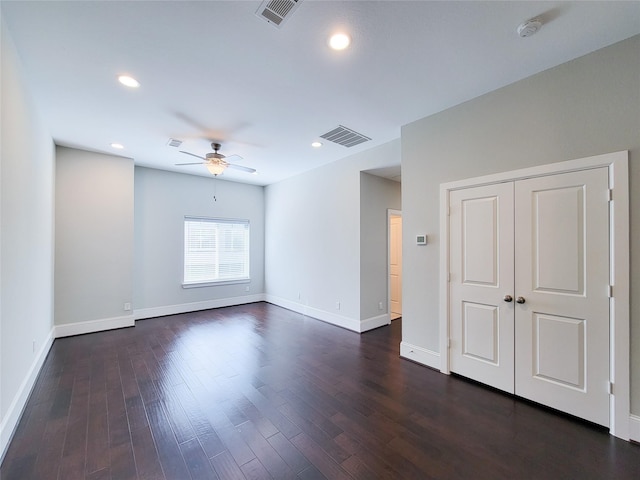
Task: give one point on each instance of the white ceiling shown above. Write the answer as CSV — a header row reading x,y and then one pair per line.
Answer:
x,y
214,70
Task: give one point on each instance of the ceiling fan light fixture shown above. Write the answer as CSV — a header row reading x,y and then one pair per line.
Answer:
x,y
215,168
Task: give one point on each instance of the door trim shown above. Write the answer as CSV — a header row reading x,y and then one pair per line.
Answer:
x,y
619,361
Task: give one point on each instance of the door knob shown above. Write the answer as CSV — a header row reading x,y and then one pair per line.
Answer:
x,y
520,300
508,298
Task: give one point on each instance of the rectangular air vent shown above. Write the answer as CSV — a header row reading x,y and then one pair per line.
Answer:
x,y
277,11
345,136
174,143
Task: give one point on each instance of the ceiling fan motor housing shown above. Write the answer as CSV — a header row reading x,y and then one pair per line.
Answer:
x,y
214,156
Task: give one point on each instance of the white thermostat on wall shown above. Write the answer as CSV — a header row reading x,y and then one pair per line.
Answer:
x,y
421,239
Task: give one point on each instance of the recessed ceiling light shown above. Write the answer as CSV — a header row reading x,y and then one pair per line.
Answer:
x,y
316,144
339,41
128,81
119,146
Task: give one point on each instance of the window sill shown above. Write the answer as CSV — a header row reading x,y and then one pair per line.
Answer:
x,y
216,283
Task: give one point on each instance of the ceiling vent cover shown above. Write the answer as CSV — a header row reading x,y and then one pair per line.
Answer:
x,y
277,11
345,136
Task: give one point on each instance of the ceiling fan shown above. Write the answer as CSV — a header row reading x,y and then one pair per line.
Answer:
x,y
216,162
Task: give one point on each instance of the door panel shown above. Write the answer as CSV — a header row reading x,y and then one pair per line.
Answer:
x,y
558,350
558,252
395,265
480,335
481,266
562,272
480,241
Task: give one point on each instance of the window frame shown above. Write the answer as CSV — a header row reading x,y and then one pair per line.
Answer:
x,y
216,282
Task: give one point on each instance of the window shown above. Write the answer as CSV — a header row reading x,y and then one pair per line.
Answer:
x,y
215,251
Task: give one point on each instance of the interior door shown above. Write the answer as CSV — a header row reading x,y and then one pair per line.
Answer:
x,y
395,266
481,284
562,275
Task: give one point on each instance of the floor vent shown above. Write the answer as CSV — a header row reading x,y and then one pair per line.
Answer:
x,y
345,136
277,11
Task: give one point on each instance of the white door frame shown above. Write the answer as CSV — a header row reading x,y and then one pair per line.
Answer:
x,y
390,213
618,165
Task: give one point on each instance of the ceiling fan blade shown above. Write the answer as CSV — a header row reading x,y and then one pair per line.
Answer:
x,y
240,167
233,158
193,155
194,163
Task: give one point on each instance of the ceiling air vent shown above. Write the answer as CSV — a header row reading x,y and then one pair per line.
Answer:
x,y
174,143
345,136
277,11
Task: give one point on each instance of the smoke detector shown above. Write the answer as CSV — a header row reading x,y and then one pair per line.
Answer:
x,y
530,27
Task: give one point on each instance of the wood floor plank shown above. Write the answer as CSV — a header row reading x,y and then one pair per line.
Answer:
x,y
74,451
319,458
357,469
289,453
146,455
226,467
264,452
254,470
169,453
372,458
319,436
50,449
197,461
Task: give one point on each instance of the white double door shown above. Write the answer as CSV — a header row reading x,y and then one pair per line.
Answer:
x,y
529,289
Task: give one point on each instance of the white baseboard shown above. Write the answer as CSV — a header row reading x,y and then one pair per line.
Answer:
x,y
420,355
634,428
375,322
92,326
151,312
14,412
338,320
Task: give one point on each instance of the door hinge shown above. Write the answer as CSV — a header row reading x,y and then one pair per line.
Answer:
x,y
610,293
448,277
610,194
448,343
610,388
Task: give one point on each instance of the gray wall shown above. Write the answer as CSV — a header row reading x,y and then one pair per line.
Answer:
x,y
94,236
377,195
26,239
313,235
585,107
162,199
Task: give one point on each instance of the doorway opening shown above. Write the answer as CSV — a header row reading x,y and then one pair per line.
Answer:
x,y
395,263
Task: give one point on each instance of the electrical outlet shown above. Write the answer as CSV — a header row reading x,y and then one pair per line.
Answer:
x,y
337,305
380,306
127,307
246,289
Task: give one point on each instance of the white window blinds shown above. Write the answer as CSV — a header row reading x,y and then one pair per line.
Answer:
x,y
215,250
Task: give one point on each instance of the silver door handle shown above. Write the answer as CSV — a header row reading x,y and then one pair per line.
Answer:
x,y
520,300
508,298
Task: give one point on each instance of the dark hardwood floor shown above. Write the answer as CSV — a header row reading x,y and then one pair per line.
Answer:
x,y
260,392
